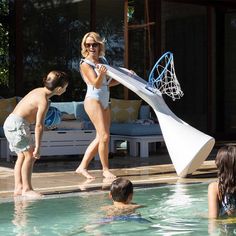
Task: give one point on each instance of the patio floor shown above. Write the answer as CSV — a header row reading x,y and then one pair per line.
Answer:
x,y
53,175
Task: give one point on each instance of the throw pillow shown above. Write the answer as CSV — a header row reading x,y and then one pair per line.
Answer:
x,y
6,107
124,110
53,117
144,112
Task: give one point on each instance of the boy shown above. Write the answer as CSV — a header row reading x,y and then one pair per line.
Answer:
x,y
121,192
31,109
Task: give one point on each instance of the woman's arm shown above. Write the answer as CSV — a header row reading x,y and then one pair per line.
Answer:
x,y
113,83
213,200
90,75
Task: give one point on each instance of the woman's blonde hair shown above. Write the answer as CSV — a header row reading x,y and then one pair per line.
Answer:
x,y
98,39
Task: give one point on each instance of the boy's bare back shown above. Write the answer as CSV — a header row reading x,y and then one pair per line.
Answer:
x,y
124,209
36,101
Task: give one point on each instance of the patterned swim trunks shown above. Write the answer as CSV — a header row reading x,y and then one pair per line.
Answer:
x,y
17,132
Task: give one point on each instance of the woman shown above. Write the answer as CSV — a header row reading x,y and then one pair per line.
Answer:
x,y
222,194
96,102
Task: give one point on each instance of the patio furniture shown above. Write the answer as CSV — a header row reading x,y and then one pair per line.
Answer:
x,y
138,145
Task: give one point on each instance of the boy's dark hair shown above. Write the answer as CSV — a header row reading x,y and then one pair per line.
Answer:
x,y
121,189
55,79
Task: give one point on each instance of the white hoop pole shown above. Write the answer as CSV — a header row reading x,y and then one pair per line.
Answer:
x,y
187,146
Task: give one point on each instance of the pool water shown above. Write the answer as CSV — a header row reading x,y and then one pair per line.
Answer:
x,y
171,210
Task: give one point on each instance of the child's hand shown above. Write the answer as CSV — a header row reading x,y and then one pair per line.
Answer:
x,y
36,154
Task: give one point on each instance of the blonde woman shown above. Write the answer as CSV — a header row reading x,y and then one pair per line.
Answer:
x,y
96,102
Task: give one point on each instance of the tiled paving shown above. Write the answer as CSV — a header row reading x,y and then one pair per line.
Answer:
x,y
56,174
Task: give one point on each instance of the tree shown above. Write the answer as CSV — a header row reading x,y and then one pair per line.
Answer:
x,y
4,43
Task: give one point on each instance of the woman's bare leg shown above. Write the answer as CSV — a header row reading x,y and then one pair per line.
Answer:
x,y
17,174
104,159
92,149
101,120
88,156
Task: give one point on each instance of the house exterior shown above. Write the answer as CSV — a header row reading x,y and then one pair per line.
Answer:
x,y
38,36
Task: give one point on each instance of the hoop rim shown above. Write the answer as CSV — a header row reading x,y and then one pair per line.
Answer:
x,y
160,59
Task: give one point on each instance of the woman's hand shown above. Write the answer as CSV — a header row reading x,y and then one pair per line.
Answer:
x,y
102,70
132,72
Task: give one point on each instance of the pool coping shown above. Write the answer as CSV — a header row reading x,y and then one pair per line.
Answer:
x,y
63,182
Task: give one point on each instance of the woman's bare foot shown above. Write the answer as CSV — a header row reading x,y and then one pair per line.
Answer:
x,y
84,172
32,194
108,175
106,183
17,192
83,186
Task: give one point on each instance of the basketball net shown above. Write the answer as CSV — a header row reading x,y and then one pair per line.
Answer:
x,y
163,79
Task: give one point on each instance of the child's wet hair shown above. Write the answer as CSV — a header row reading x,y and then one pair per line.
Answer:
x,y
121,189
55,79
226,165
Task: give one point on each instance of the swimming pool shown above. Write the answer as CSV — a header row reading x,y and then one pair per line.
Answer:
x,y
170,210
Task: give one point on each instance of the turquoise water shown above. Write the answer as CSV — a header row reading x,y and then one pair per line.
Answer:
x,y
170,210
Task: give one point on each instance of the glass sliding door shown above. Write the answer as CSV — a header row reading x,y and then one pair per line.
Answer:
x,y
227,83
52,32
184,33
110,25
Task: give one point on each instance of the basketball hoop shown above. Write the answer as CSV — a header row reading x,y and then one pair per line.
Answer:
x,y
178,135
162,78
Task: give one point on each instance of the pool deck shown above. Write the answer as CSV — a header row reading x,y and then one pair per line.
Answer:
x,y
56,175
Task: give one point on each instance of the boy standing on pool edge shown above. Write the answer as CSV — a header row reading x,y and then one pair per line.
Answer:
x,y
31,109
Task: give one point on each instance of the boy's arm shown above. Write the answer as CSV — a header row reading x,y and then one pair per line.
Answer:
x,y
39,127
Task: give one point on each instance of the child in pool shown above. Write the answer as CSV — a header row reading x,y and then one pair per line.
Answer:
x,y
121,193
31,110
222,193
122,209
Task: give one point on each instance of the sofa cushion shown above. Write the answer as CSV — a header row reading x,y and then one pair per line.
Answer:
x,y
70,124
124,110
66,107
7,105
2,135
135,129
65,116
76,108
144,112
80,113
